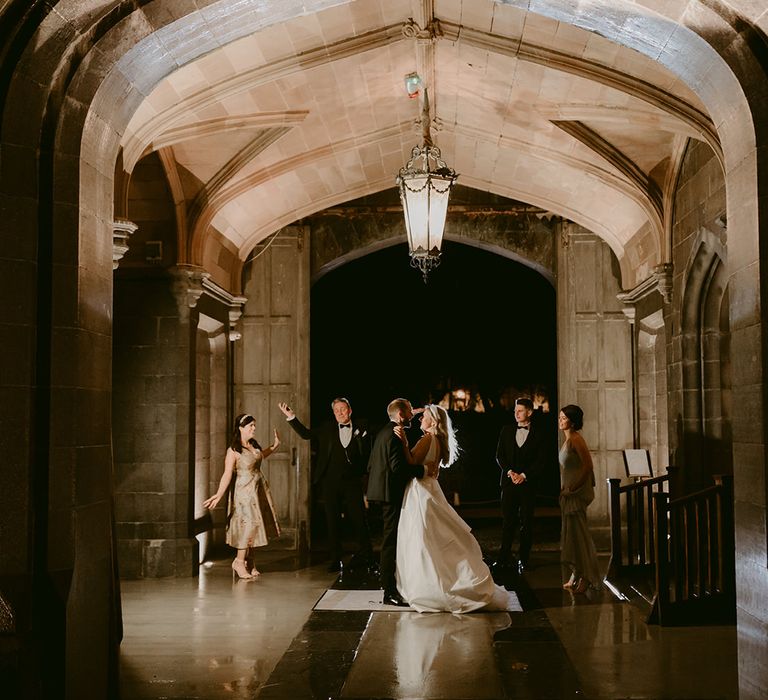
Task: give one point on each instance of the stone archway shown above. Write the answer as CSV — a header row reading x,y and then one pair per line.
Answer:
x,y
77,73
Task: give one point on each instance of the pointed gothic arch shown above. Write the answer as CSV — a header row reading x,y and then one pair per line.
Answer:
x,y
705,349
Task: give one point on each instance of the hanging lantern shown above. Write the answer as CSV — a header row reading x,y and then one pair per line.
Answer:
x,y
425,184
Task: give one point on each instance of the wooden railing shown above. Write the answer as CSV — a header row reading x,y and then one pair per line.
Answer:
x,y
694,545
632,526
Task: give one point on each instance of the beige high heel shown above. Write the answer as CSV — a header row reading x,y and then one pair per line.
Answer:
x,y
240,572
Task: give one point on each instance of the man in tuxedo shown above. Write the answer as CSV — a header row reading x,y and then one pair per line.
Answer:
x,y
341,460
388,475
521,455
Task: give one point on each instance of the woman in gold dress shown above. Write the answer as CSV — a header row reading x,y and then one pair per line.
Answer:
x,y
252,519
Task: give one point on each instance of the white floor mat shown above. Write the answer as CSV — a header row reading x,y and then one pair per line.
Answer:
x,y
334,599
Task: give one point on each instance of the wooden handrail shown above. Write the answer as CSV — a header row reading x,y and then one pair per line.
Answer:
x,y
696,495
694,552
645,483
636,518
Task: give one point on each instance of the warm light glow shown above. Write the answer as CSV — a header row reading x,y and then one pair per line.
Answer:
x,y
425,185
424,192
425,203
462,400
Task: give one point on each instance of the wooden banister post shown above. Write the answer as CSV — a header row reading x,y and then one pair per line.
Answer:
x,y
673,474
614,567
661,554
727,543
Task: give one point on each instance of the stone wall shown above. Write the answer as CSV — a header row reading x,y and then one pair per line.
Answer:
x,y
151,423
698,240
509,228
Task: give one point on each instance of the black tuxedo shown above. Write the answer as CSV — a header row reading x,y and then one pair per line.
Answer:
x,y
518,500
388,475
337,474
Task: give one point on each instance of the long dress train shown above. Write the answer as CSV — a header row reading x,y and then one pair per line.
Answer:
x,y
440,565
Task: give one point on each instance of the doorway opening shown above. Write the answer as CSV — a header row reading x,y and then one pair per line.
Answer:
x,y
479,334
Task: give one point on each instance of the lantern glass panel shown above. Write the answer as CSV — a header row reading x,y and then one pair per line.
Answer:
x,y
416,195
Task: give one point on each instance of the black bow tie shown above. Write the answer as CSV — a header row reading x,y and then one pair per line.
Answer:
x,y
523,427
345,425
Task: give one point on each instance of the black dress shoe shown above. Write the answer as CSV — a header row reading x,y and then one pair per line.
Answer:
x,y
394,598
335,566
523,566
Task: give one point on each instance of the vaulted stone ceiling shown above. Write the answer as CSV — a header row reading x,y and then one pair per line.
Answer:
x,y
311,111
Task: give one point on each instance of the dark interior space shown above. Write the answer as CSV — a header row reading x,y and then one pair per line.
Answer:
x,y
483,323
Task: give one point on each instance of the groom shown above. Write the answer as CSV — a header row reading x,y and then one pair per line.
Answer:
x,y
388,475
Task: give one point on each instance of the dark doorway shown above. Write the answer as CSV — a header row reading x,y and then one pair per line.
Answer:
x,y
483,322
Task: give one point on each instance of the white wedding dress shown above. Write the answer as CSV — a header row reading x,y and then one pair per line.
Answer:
x,y
440,566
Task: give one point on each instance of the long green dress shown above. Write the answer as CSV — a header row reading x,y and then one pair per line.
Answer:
x,y
577,549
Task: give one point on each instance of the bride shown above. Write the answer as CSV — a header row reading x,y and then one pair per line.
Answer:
x,y
440,565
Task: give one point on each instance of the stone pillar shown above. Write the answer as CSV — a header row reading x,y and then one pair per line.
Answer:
x,y
154,433
643,307
217,314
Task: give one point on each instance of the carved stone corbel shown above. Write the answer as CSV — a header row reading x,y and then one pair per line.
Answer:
x,y
188,283
122,229
663,276
659,281
432,32
234,317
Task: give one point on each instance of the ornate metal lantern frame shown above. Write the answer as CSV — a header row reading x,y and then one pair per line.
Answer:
x,y
424,184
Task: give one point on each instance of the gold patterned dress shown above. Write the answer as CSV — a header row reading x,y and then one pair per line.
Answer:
x,y
252,518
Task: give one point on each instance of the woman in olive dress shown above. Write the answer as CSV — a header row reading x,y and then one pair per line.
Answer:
x,y
577,549
252,519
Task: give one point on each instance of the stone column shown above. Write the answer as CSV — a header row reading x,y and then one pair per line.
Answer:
x,y
643,307
218,312
154,431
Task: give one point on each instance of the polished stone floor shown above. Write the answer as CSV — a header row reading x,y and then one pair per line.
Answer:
x,y
211,638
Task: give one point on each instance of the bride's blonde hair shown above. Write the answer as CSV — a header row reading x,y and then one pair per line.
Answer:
x,y
445,434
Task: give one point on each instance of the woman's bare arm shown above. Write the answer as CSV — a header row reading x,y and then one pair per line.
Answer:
x,y
226,478
266,451
420,449
580,446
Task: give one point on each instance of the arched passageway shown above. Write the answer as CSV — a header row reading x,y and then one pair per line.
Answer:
x,y
74,75
482,322
482,327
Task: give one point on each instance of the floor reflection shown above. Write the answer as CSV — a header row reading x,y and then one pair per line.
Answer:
x,y
212,638
431,655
